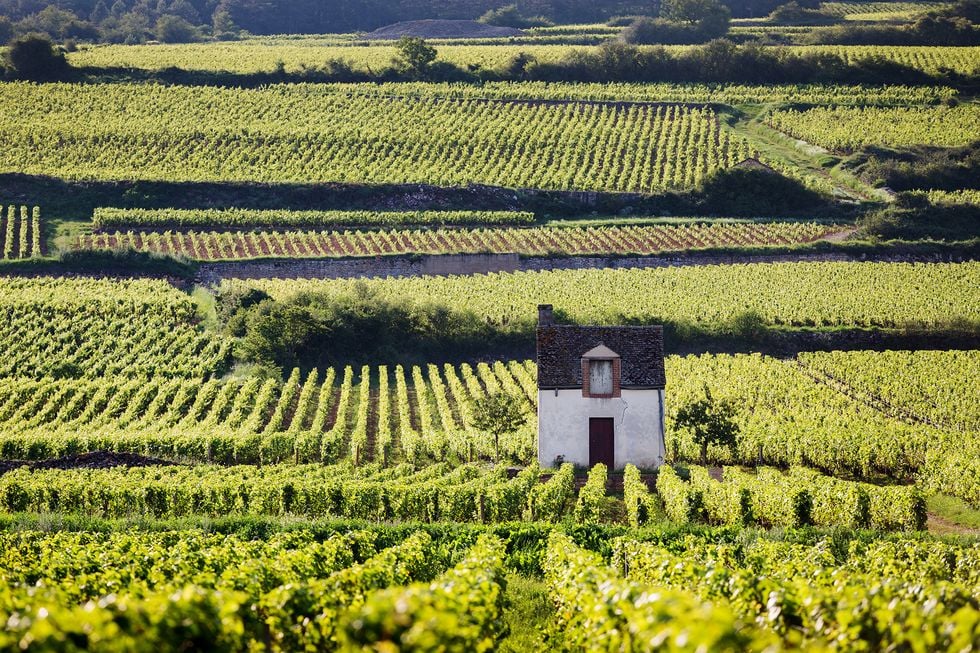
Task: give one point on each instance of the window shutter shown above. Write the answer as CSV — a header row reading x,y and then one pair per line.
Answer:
x,y
600,378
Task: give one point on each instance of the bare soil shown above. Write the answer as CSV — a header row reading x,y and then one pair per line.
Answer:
x,y
941,526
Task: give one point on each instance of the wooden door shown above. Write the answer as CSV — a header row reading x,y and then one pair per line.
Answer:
x,y
601,442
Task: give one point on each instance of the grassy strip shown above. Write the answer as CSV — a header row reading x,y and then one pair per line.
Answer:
x,y
954,510
528,615
124,263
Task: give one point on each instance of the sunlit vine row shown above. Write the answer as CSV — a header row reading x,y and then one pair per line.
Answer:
x,y
20,232
209,246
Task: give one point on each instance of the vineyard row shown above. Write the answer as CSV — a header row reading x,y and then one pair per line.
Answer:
x,y
20,232
254,56
324,599
466,494
209,246
105,218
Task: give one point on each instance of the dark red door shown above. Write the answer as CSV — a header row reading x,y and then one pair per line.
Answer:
x,y
601,441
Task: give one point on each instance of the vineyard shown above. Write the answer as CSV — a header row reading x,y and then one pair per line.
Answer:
x,y
845,419
224,457
765,595
929,59
790,294
210,246
353,590
20,232
418,414
863,8
360,508
298,135
263,55
848,128
65,328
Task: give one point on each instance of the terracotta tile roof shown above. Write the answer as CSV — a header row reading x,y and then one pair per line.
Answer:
x,y
561,347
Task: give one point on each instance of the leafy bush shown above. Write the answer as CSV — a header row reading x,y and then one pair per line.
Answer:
x,y
174,29
743,191
33,57
314,329
510,16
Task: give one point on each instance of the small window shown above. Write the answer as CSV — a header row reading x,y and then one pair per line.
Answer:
x,y
600,378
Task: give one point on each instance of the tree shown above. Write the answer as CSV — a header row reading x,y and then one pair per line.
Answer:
x,y
34,57
99,13
174,29
691,11
415,54
498,414
6,30
223,26
709,421
510,16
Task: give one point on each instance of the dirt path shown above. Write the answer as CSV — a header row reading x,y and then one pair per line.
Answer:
x,y
840,236
942,526
801,155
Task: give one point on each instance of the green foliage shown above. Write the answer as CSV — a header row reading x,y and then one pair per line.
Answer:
x,y
800,498
641,505
175,29
846,129
541,241
467,494
510,16
682,502
724,503
804,597
460,611
710,422
913,218
319,329
591,498
682,21
415,55
114,218
744,191
33,57
497,414
855,295
597,610
551,500
356,139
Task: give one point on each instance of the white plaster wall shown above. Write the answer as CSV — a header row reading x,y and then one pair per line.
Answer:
x,y
563,426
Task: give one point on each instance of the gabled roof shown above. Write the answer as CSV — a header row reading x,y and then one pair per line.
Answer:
x,y
601,352
561,349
